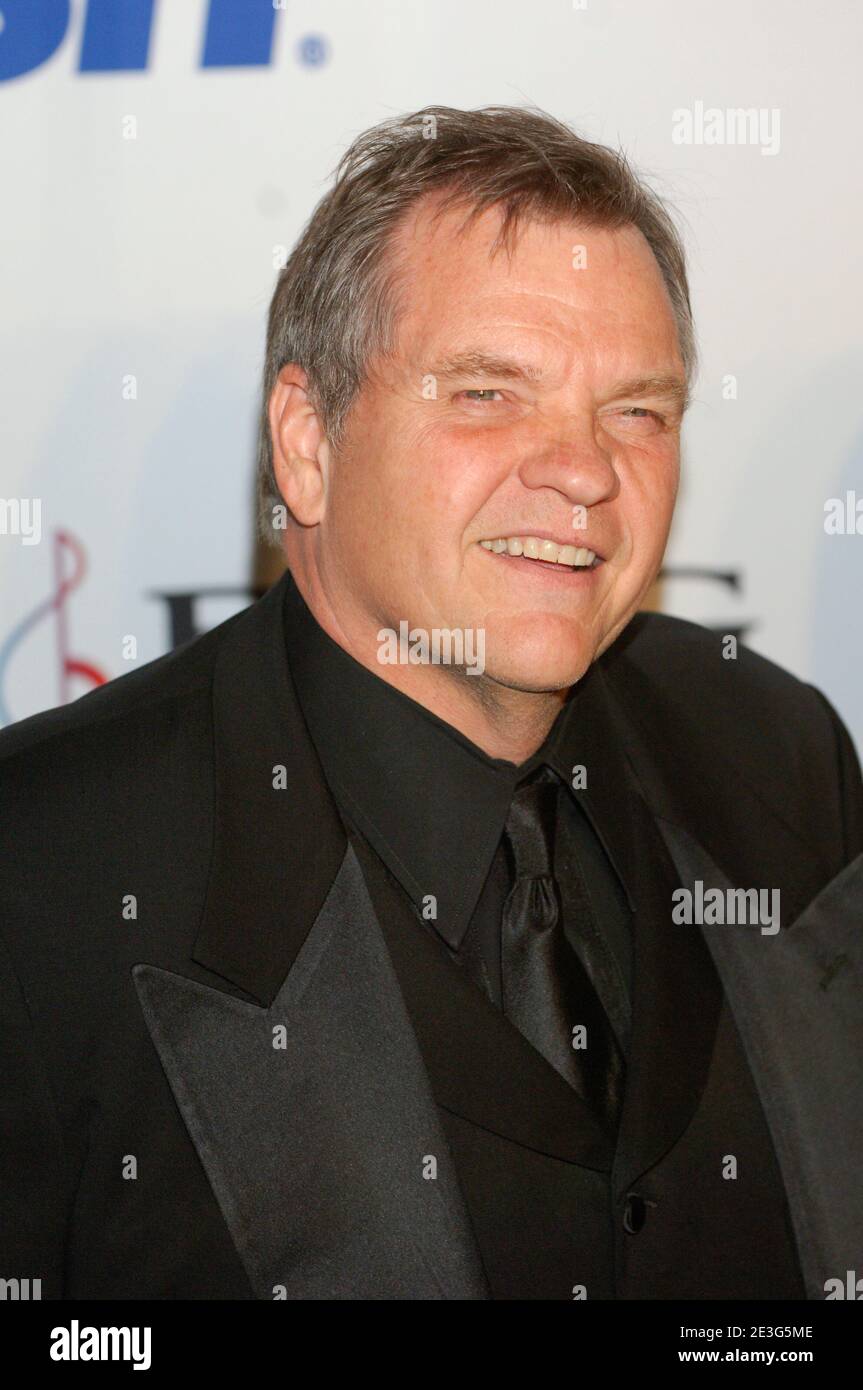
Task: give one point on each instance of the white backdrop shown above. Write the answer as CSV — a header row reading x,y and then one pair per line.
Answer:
x,y
156,156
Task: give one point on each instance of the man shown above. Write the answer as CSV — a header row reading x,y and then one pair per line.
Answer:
x,y
442,926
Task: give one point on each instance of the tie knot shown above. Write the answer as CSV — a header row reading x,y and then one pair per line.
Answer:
x,y
530,825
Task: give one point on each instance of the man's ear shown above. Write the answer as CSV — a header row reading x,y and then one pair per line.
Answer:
x,y
300,449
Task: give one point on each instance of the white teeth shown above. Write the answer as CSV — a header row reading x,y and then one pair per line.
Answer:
x,y
534,549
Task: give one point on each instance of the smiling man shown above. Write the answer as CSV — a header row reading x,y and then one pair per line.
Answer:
x,y
511,464
341,963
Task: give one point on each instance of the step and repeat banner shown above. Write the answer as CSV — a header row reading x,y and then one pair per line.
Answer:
x,y
158,159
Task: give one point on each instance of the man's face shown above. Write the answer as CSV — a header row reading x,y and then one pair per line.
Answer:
x,y
512,409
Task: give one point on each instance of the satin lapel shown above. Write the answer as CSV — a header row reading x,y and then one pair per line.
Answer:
x,y
675,992
278,839
314,1120
479,1065
677,999
795,996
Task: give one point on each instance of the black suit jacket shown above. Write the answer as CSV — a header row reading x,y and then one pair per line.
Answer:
x,y
230,1054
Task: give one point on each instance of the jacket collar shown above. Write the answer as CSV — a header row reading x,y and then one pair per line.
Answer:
x,y
675,995
281,1102
679,791
269,789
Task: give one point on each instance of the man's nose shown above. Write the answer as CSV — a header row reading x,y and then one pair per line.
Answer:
x,y
578,467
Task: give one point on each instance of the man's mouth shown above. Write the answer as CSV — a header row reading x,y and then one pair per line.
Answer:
x,y
544,552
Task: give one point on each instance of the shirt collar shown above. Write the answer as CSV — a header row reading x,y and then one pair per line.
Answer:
x,y
431,803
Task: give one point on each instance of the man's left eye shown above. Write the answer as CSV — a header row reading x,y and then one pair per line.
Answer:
x,y
484,391
640,415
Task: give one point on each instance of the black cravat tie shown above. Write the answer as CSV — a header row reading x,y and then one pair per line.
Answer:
x,y
546,991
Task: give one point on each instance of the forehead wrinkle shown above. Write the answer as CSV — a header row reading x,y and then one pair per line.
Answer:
x,y
559,341
573,319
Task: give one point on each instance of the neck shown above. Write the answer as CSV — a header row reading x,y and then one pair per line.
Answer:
x,y
504,722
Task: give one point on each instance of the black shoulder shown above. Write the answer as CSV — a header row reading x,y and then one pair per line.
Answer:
x,y
180,673
682,657
722,705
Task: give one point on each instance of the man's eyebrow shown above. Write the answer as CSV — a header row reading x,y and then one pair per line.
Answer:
x,y
474,362
668,385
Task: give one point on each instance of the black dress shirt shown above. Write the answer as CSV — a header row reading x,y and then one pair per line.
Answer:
x,y
433,807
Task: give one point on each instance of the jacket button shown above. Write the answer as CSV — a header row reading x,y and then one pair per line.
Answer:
x,y
634,1213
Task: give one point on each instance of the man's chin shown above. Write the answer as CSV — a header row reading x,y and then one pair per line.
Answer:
x,y
540,671
540,656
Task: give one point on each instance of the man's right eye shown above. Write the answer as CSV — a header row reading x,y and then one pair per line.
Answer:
x,y
480,391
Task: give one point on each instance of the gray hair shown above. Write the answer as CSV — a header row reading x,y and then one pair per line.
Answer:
x,y
335,305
